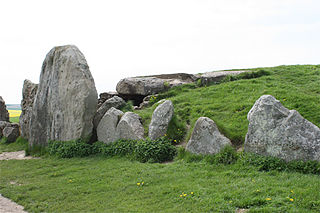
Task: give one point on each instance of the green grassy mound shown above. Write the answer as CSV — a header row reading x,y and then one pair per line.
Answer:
x,y
228,103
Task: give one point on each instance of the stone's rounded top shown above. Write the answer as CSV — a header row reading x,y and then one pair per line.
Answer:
x,y
270,105
206,138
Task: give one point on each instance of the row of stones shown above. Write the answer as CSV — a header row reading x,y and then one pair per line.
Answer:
x,y
64,108
116,125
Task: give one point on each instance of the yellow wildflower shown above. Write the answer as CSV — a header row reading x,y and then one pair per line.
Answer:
x,y
184,194
291,199
268,198
191,193
180,195
138,184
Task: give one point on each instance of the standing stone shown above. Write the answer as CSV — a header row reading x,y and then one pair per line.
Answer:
x,y
130,127
115,102
66,100
11,133
206,138
276,131
4,114
29,92
161,118
107,128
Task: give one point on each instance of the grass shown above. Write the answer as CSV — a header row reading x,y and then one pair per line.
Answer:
x,y
297,87
99,184
20,144
14,119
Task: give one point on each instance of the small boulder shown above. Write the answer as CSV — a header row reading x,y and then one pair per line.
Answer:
x,y
4,114
105,96
107,128
3,124
276,131
161,118
11,133
29,92
115,102
206,138
130,127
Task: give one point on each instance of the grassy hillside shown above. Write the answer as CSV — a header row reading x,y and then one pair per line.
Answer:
x,y
297,87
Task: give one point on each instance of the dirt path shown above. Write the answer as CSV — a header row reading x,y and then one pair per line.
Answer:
x,y
20,155
6,205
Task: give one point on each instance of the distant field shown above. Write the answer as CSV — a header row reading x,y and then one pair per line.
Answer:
x,y
14,115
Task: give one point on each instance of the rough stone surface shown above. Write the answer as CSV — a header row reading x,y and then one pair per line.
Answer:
x,y
107,128
115,102
276,131
4,114
140,86
105,96
3,124
66,100
206,138
161,118
11,133
130,127
29,92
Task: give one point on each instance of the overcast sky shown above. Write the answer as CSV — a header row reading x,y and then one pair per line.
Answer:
x,y
123,38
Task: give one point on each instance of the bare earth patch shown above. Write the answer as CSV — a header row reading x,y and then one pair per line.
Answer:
x,y
8,206
20,155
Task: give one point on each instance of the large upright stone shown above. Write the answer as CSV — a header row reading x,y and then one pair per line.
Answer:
x,y
66,100
276,131
130,127
115,102
107,128
161,118
29,92
206,138
4,114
